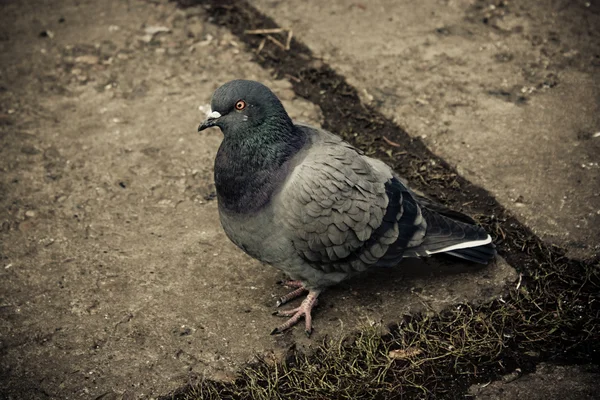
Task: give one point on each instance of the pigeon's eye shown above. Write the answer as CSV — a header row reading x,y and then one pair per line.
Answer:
x,y
240,105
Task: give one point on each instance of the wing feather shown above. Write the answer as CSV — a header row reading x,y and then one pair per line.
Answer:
x,y
337,205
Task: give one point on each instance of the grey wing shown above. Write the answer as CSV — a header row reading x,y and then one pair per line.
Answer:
x,y
344,211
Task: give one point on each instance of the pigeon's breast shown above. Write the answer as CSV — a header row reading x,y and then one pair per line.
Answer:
x,y
247,178
257,235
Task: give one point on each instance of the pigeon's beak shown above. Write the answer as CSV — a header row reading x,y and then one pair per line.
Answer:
x,y
211,120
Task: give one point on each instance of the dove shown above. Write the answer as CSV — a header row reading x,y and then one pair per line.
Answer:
x,y
308,203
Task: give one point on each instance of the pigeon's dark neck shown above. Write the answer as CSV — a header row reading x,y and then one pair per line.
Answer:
x,y
250,167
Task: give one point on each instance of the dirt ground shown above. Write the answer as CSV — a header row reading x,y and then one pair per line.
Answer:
x,y
116,278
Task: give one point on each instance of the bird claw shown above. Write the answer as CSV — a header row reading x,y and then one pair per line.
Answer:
x,y
296,313
287,313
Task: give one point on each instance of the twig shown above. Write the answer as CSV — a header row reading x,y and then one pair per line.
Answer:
x,y
261,46
288,42
268,36
501,232
263,31
277,42
293,78
388,141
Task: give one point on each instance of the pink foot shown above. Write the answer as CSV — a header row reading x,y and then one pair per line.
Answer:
x,y
296,313
291,295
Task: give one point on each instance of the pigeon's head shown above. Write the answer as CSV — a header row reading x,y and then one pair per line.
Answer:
x,y
241,106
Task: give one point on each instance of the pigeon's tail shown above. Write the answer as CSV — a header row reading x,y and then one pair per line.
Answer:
x,y
457,238
480,254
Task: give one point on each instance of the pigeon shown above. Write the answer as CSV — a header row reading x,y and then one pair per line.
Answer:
x,y
303,200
